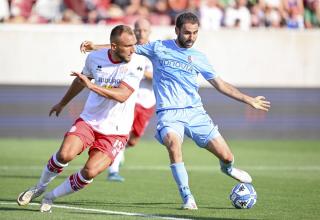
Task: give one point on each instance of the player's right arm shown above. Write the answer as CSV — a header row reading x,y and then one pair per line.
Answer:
x,y
75,88
120,94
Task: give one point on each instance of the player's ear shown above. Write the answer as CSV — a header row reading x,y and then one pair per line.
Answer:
x,y
176,29
113,46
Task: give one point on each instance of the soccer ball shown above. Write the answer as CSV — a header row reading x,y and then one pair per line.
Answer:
x,y
243,196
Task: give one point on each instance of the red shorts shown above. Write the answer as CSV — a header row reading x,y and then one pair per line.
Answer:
x,y
141,120
108,144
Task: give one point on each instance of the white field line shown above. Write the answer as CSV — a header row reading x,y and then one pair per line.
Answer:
x,y
189,168
103,211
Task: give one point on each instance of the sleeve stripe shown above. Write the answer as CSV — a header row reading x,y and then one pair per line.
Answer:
x,y
127,85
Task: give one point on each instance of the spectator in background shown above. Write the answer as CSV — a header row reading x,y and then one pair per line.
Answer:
x,y
238,16
293,13
312,14
115,14
294,20
4,10
176,7
211,15
70,17
226,3
78,7
257,13
159,15
273,13
121,3
101,7
46,11
194,7
135,10
21,10
272,17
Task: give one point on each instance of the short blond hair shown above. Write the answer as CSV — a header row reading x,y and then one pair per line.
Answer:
x,y
117,31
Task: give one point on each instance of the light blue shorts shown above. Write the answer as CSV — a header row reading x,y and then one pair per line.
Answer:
x,y
194,122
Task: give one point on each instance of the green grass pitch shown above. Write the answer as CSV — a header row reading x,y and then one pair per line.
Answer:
x,y
286,176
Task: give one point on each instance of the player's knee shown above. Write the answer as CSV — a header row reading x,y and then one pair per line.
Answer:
x,y
175,152
89,173
63,156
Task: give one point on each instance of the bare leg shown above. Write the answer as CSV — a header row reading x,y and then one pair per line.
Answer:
x,y
220,148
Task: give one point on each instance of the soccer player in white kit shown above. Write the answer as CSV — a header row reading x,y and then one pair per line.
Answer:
x,y
145,104
105,121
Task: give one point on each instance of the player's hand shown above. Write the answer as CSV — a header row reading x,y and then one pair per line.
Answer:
x,y
260,103
86,46
57,109
84,80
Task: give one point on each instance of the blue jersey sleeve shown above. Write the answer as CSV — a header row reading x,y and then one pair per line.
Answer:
x,y
206,69
146,49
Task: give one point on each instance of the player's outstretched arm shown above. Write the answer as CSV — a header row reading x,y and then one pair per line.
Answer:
x,y
75,88
87,46
258,102
120,94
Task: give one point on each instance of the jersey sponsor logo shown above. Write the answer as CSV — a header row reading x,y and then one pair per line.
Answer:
x,y
176,65
109,80
139,68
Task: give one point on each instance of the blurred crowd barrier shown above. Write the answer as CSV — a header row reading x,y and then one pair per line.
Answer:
x,y
45,54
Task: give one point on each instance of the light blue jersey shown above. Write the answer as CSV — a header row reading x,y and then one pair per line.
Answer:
x,y
175,73
179,106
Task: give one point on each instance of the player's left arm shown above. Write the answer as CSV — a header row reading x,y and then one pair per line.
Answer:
x,y
258,102
88,46
120,94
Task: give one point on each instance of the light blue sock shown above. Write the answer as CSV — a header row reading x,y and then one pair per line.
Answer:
x,y
180,175
226,167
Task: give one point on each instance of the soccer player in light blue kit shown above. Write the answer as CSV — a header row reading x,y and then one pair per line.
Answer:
x,y
178,105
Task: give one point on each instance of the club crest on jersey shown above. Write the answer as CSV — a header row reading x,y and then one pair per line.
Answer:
x,y
190,59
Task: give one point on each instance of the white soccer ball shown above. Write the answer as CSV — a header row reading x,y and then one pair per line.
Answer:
x,y
243,196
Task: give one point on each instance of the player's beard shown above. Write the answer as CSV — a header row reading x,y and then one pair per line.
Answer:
x,y
185,43
124,58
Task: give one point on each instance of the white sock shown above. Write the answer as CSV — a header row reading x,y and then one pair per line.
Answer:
x,y
72,184
114,168
50,171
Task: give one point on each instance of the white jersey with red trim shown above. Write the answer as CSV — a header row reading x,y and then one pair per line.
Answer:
x,y
146,96
108,116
